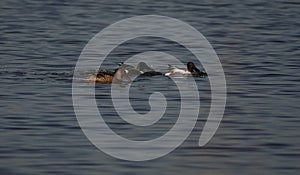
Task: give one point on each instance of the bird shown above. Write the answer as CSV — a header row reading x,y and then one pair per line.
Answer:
x,y
190,70
141,69
108,77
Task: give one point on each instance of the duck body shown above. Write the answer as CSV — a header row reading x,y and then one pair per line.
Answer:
x,y
104,77
107,77
151,73
190,70
142,69
173,70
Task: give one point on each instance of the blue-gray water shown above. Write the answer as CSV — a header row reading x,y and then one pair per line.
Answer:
x,y
256,41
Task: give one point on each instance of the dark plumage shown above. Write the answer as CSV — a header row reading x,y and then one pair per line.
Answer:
x,y
194,70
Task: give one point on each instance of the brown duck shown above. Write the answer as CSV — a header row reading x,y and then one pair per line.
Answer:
x,y
107,77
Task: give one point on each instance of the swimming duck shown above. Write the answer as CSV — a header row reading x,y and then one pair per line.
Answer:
x,y
107,77
141,69
191,70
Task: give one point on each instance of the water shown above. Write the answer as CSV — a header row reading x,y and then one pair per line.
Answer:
x,y
257,43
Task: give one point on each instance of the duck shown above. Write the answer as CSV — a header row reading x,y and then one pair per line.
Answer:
x,y
190,70
141,69
108,77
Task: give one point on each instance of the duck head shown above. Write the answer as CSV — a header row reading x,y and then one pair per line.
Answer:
x,y
194,70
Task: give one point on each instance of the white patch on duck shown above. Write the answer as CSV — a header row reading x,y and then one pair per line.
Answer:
x,y
173,70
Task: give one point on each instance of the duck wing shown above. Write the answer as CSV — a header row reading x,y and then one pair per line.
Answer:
x,y
143,67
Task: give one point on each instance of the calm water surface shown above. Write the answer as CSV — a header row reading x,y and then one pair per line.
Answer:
x,y
256,41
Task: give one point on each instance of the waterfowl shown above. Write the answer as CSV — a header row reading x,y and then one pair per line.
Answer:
x,y
107,77
191,70
141,69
